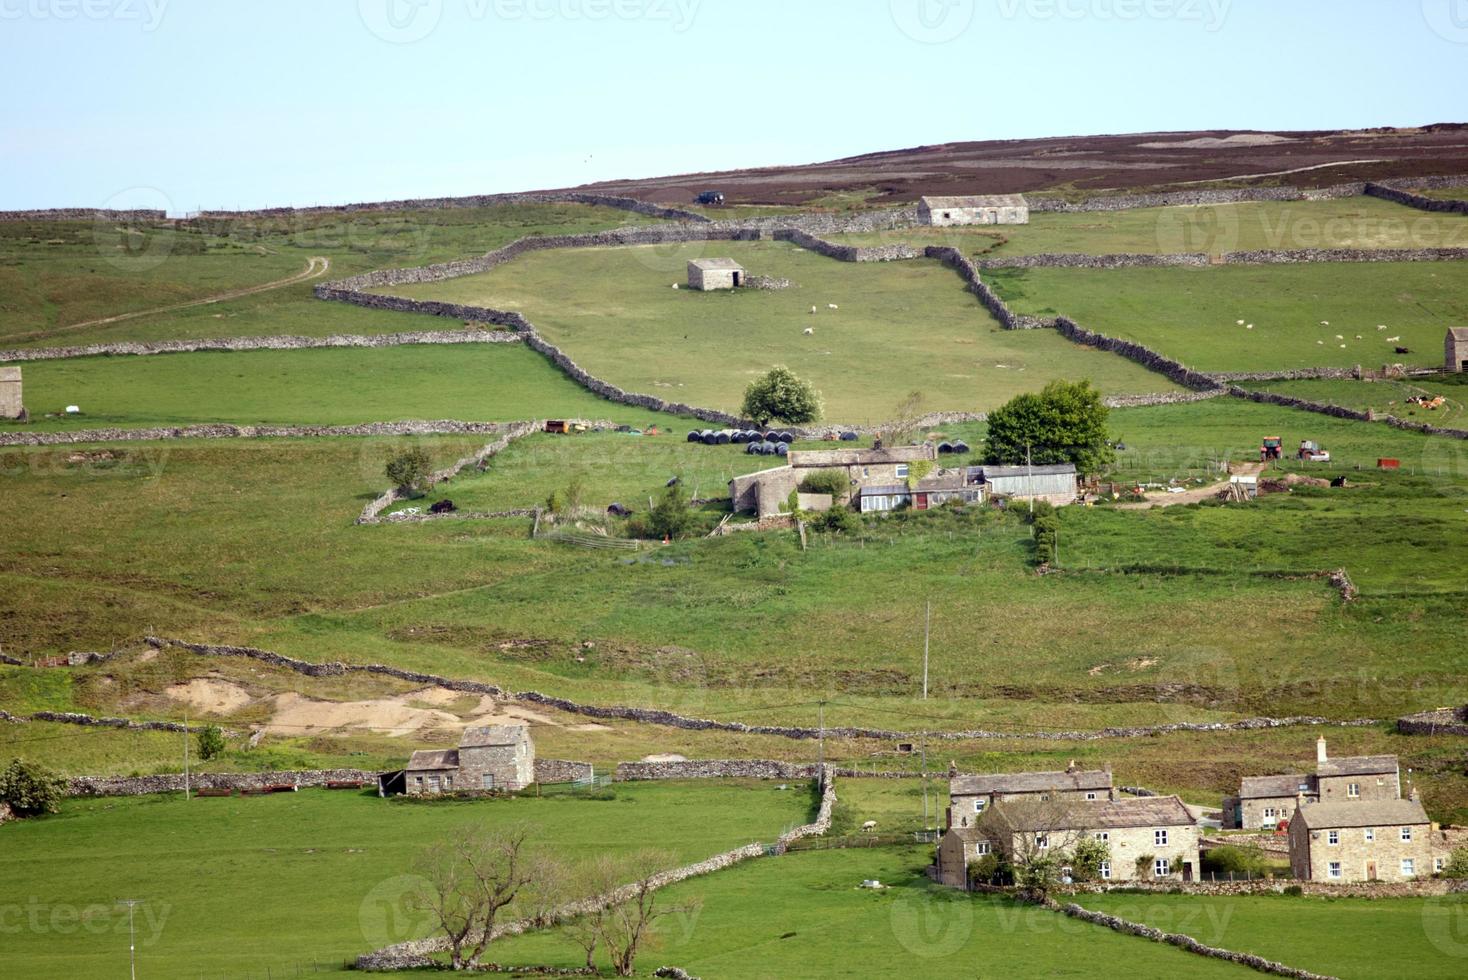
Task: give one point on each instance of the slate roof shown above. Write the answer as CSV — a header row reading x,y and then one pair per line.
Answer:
x,y
494,735
431,759
1151,811
1002,472
977,201
1029,782
1360,765
1264,787
1459,333
710,265
803,458
1362,813
9,374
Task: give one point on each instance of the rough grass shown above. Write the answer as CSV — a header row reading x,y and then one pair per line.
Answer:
x,y
901,327
473,382
55,274
320,873
1383,397
1358,222
1191,314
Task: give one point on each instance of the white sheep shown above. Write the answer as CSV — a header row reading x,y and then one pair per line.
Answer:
x,y
870,825
1321,343
810,331
812,310
832,306
1343,346
1381,326
1339,337
1240,322
1393,340
1358,336
1325,323
1249,327
675,285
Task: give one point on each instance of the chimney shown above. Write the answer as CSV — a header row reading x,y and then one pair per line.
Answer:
x,y
1414,796
1299,802
1320,756
1071,767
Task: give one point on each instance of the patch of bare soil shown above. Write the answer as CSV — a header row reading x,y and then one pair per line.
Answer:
x,y
210,697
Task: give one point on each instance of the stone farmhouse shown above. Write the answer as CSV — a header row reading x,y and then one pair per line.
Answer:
x,y
1265,801
498,757
12,406
881,479
1455,350
708,274
995,209
1375,840
1151,839
969,796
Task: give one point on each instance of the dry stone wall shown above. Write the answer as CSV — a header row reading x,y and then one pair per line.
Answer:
x,y
222,431
847,253
1399,195
174,782
1341,412
562,771
1144,356
84,214
262,343
1443,721
508,434
1071,260
1169,199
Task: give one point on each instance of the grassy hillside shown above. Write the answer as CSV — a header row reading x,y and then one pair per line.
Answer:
x,y
1192,314
900,327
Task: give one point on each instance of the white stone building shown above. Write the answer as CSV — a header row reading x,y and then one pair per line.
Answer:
x,y
707,274
12,405
993,209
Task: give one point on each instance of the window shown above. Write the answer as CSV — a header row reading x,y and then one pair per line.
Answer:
x,y
1159,838
981,848
1369,834
1407,835
1042,841
1270,813
1335,869
1438,863
1044,797
1333,837
1090,796
978,806
1104,836
1106,870
1408,868
902,471
448,782
488,781
1161,868
1353,789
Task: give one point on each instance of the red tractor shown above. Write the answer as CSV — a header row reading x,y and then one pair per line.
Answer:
x,y
1271,449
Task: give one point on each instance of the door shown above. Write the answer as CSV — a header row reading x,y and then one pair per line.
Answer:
x,y
922,501
736,280
1187,871
1370,870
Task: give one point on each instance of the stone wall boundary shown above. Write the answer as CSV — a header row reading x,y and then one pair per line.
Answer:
x,y
509,434
138,349
1132,260
1417,888
174,782
655,716
1400,195
1194,198
1341,412
1139,353
1442,721
442,427
92,721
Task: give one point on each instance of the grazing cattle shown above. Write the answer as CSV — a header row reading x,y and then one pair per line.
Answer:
x,y
1404,350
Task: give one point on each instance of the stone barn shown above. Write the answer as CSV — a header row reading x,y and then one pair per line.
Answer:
x,y
11,404
1455,351
498,757
995,209
707,274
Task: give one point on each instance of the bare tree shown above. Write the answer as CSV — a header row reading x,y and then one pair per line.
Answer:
x,y
904,427
470,876
1035,835
627,926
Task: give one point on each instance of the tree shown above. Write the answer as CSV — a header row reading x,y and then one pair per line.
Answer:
x,y
1457,866
30,788
1064,423
409,470
671,517
780,396
1035,836
211,743
1087,856
628,924
469,877
904,426
567,502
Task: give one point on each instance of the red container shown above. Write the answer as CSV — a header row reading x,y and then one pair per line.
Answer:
x,y
1388,464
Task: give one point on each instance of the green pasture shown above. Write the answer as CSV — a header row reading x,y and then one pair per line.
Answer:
x,y
900,327
1355,222
805,915
322,873
1369,938
1387,397
56,275
331,386
1191,314
1459,193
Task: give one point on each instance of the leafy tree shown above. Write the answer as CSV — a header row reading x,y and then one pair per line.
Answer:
x,y
1086,858
567,501
211,743
780,396
1457,866
409,470
671,517
834,482
30,788
904,425
1065,422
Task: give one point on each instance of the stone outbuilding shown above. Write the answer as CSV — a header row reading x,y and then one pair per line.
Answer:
x,y
765,493
1455,350
1263,802
1378,840
494,758
970,795
708,274
993,209
1057,483
12,404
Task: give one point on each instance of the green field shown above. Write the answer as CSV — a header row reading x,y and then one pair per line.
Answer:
x,y
1191,314
57,275
1401,937
1383,397
805,915
317,872
1459,193
341,386
1357,222
900,327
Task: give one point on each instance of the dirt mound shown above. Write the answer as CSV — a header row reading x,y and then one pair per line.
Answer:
x,y
210,697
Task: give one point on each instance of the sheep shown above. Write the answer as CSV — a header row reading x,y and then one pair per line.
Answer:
x,y
1343,346
1249,327
1381,326
1325,323
810,331
869,826
1339,337
1240,322
1393,340
813,311
832,306
1321,343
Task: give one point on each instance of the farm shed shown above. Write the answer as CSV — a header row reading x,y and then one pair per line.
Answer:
x,y
1455,351
929,492
1055,483
707,274
11,404
765,492
994,209
497,757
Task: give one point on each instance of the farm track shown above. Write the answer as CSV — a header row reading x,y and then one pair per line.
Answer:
x,y
316,267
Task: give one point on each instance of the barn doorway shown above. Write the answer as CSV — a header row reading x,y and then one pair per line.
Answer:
x,y
738,280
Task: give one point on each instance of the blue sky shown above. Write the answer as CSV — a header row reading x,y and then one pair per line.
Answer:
x,y
251,103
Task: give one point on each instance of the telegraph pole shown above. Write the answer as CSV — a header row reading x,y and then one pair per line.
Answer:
x,y
132,945
1030,478
186,754
823,736
927,631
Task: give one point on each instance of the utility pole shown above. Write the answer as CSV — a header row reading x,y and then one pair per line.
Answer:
x,y
823,736
1030,479
186,754
132,945
927,631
